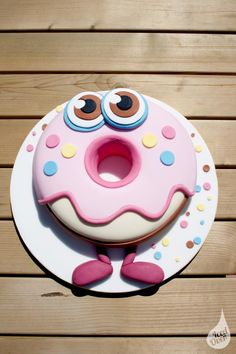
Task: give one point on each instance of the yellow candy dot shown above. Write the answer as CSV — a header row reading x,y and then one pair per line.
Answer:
x,y
198,148
68,151
209,197
149,140
165,242
177,259
201,207
59,108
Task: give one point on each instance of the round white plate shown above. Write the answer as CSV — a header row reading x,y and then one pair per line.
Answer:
x,y
60,251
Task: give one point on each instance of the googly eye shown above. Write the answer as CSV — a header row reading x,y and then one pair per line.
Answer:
x,y
124,108
83,112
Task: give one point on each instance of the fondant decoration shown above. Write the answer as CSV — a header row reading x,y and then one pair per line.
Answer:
x,y
200,207
83,112
141,271
124,195
167,158
157,255
168,132
189,244
193,135
177,259
165,242
59,108
198,148
197,188
206,168
50,168
149,140
209,197
52,141
29,148
124,109
183,224
44,126
187,213
34,133
68,151
202,222
92,271
197,240
207,186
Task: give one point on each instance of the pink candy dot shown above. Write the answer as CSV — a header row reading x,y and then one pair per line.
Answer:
x,y
29,148
34,133
184,224
207,186
52,141
168,132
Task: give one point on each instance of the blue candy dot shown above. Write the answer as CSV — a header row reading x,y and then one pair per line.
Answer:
x,y
167,158
50,168
197,188
202,222
197,240
157,255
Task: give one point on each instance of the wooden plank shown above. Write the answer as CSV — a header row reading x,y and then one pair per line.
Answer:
x,y
182,306
98,345
227,195
219,135
193,95
217,255
133,52
125,15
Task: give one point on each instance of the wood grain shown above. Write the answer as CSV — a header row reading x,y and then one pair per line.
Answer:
x,y
227,193
98,345
193,95
182,306
121,52
217,255
219,136
125,15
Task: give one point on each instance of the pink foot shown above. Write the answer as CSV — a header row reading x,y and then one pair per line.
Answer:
x,y
92,271
142,271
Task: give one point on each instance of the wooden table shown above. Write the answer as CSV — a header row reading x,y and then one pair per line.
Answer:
x,y
181,52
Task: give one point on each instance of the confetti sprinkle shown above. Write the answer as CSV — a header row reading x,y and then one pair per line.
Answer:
x,y
187,213
200,207
44,126
177,259
149,140
68,151
52,141
197,240
168,132
184,224
202,222
157,255
207,186
50,168
198,148
206,168
209,197
29,148
59,108
197,188
165,242
167,158
189,244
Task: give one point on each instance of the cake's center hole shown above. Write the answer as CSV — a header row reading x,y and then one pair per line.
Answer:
x,y
114,161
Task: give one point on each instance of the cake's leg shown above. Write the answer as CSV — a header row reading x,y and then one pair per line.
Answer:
x,y
146,272
92,271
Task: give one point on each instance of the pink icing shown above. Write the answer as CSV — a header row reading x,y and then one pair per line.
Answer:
x,y
147,189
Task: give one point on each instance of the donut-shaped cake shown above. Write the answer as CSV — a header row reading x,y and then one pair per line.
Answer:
x,y
114,167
